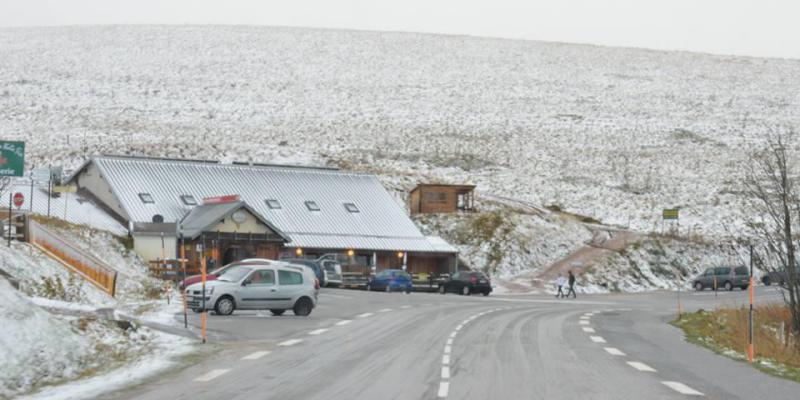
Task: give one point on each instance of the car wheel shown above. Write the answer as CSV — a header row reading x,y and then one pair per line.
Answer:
x,y
728,286
225,306
698,286
277,312
197,310
465,291
485,293
766,281
302,307
408,291
442,289
744,287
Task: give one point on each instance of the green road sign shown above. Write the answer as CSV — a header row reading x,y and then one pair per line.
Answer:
x,y
12,158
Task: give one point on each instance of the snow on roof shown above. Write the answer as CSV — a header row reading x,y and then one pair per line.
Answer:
x,y
378,224
202,216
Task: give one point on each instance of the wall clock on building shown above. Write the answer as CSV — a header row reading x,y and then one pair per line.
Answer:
x,y
239,217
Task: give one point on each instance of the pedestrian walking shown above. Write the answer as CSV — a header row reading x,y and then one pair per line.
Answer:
x,y
571,285
560,282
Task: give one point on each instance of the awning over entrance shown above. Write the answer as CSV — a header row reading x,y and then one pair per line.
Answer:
x,y
209,217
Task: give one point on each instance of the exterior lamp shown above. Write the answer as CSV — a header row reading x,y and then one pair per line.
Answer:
x,y
400,254
298,251
351,253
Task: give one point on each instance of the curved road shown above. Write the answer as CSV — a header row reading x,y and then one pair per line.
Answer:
x,y
361,345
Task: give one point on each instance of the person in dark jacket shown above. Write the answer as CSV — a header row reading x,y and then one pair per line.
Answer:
x,y
572,285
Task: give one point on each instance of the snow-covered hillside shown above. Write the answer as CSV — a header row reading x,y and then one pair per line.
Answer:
x,y
616,134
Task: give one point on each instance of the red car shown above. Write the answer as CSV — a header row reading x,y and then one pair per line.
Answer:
x,y
211,276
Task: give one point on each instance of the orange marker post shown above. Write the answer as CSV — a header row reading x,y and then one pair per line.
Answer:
x,y
203,278
183,292
750,352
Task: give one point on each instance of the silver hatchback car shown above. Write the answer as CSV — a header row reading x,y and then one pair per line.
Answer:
x,y
258,284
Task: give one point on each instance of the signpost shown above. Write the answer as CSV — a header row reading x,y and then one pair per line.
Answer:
x,y
12,158
669,214
19,199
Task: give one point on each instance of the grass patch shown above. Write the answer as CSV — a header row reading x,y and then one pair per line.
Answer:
x,y
725,331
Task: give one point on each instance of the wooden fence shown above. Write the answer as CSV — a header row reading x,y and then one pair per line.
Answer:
x,y
97,272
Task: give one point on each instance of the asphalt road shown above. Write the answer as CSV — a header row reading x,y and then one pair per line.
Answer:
x,y
362,345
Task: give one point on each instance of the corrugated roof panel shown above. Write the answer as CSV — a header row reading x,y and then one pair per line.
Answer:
x,y
380,223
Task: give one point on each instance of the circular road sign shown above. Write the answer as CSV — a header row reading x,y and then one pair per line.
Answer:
x,y
18,199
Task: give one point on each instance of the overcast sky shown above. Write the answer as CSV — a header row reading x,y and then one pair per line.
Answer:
x,y
748,27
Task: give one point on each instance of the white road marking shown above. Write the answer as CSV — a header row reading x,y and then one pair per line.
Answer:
x,y
583,317
256,355
444,387
445,372
211,375
406,306
588,330
597,339
385,310
458,328
614,351
452,335
343,322
583,322
450,341
335,296
447,349
681,388
641,366
446,359
364,315
318,331
290,342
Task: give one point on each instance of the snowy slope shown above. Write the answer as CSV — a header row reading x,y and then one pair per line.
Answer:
x,y
595,130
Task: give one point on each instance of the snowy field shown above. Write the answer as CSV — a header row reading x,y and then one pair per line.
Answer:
x,y
616,134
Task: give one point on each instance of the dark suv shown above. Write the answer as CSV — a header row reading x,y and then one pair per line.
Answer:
x,y
723,277
467,282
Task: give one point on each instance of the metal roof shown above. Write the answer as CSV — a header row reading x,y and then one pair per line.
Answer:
x,y
379,224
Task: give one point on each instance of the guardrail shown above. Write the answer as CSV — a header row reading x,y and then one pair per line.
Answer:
x,y
86,265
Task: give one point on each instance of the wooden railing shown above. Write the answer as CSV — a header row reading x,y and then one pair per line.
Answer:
x,y
97,272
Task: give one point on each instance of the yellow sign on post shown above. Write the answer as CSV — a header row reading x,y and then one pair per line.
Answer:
x,y
670,213
65,189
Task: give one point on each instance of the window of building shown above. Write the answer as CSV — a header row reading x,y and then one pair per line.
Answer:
x,y
351,207
146,198
188,200
273,204
312,206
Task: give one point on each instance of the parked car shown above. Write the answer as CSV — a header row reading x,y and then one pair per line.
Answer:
x,y
315,266
723,277
192,279
333,272
780,277
258,285
466,282
391,279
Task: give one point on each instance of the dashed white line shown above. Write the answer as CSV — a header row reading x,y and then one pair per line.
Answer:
x,y
682,389
343,322
385,310
588,330
583,317
406,306
318,331
452,335
364,315
583,322
290,342
446,359
614,351
450,341
597,339
641,366
256,355
447,349
211,375
445,372
444,387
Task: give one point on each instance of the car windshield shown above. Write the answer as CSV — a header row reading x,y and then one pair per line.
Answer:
x,y
234,274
